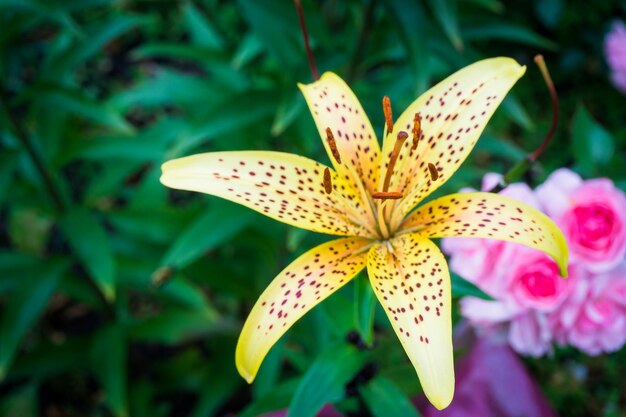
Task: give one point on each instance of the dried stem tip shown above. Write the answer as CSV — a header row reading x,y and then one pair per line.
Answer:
x,y
417,129
391,195
330,138
388,114
328,185
434,174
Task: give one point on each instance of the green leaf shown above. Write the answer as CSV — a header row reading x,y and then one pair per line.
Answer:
x,y
8,163
276,399
208,230
507,32
25,304
364,308
491,5
86,47
445,13
108,361
384,399
234,115
75,102
411,18
462,288
325,380
593,145
499,147
277,27
514,108
165,88
289,108
88,239
176,325
202,31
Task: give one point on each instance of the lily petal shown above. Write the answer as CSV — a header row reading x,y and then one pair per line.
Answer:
x,y
453,115
411,280
493,216
297,289
333,105
285,187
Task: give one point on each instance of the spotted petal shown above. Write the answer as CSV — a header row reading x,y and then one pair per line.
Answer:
x,y
412,282
454,114
493,216
285,187
333,105
297,289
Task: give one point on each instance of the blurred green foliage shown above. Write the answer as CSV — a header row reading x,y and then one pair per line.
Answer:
x,y
120,297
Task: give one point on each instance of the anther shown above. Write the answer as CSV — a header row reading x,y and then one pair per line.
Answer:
x,y
330,138
328,185
434,174
402,136
417,129
390,195
388,114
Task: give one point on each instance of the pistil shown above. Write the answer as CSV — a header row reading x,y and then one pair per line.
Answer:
x,y
402,136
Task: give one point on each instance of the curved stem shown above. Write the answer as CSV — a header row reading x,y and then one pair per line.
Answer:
x,y
555,108
522,166
305,36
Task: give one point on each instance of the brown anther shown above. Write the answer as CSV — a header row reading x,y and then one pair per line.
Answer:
x,y
388,114
390,195
330,138
328,185
434,174
402,136
417,129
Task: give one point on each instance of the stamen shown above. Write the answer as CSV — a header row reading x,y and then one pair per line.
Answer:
x,y
402,136
389,195
417,129
328,185
388,114
434,174
330,138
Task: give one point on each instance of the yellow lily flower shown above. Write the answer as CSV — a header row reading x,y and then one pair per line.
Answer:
x,y
367,197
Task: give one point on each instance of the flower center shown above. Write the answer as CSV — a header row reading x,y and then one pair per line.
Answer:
x,y
378,220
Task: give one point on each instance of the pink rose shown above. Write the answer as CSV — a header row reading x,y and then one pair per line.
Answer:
x,y
534,281
593,318
592,216
527,331
615,52
530,334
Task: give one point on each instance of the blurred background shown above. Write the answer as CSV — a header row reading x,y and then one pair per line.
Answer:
x,y
119,297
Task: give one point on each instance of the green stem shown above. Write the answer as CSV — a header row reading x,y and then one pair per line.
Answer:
x,y
20,133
